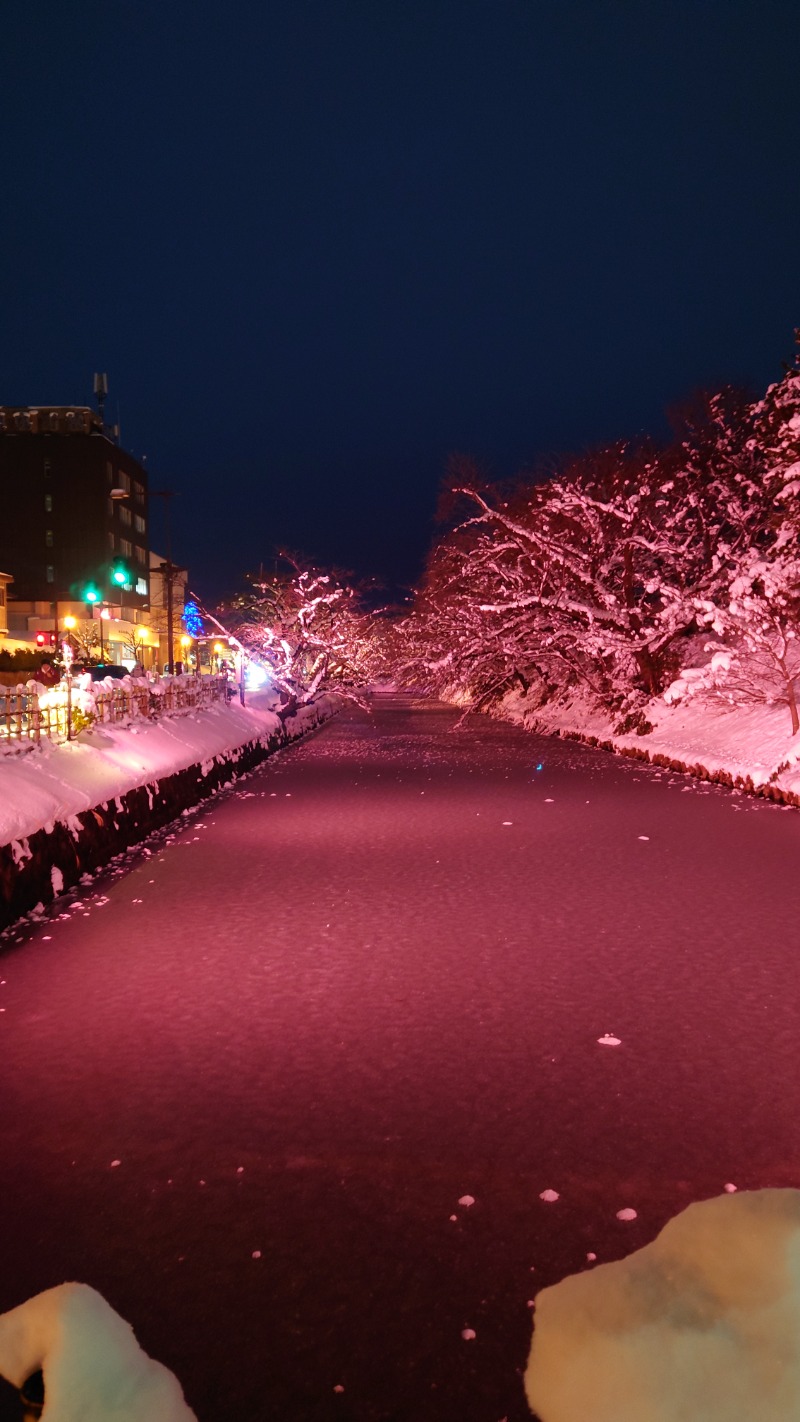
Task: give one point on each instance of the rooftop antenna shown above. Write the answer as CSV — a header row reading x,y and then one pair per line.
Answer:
x,y
101,390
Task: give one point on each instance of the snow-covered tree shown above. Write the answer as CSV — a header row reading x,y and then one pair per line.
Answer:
x,y
757,655
310,629
587,573
597,574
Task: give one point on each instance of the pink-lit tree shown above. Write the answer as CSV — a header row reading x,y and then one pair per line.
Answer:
x,y
596,574
308,626
756,658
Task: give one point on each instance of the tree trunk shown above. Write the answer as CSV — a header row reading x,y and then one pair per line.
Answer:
x,y
650,670
791,698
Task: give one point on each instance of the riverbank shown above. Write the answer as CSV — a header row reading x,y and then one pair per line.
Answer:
x,y
67,810
745,747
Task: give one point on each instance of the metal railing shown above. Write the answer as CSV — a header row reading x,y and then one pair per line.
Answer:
x,y
27,714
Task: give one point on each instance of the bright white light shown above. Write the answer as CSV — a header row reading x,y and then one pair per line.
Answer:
x,y
255,676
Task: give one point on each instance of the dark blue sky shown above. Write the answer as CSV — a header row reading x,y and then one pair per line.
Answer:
x,y
320,244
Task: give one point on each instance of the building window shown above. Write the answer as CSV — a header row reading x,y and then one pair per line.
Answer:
x,y
141,587
50,573
3,595
125,516
141,556
48,503
138,491
125,547
138,523
112,542
48,538
123,481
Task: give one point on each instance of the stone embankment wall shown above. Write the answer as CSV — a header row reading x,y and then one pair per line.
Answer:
x,y
34,870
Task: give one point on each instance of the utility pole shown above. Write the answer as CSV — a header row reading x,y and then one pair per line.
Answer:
x,y
169,572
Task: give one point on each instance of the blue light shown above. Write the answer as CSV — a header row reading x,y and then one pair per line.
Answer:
x,y
540,766
192,620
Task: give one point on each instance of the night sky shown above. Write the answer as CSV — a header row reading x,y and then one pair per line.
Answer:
x,y
320,244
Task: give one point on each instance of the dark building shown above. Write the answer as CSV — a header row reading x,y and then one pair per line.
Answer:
x,y
61,532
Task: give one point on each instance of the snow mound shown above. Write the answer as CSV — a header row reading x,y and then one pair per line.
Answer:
x,y
94,1370
702,1323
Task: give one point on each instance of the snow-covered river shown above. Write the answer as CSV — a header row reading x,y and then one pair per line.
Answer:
x,y
313,1089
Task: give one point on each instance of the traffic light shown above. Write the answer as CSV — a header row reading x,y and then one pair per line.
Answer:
x,y
45,639
120,575
91,593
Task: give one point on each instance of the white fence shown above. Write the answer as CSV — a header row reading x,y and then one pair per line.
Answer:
x,y
29,712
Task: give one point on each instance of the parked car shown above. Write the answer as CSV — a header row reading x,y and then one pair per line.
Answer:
x,y
99,670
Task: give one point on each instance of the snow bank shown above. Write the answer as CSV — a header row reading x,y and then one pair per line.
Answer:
x,y
66,811
94,1369
749,745
40,786
704,1323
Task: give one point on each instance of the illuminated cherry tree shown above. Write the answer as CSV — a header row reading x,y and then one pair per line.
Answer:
x,y
310,629
604,573
756,655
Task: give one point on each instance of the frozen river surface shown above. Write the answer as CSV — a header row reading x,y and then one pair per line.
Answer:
x,y
249,1076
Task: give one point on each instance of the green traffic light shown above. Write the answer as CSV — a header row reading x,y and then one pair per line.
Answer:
x,y
120,575
91,594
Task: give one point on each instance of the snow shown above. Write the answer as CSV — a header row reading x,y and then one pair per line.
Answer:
x,y
39,786
94,1369
746,741
702,1323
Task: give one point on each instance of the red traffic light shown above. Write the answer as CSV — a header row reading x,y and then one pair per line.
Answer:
x,y
46,639
40,639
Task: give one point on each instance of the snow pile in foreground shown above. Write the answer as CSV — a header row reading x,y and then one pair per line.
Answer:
x,y
94,1370
704,1323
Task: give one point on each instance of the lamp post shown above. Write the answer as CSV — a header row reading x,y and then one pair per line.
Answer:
x,y
70,623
